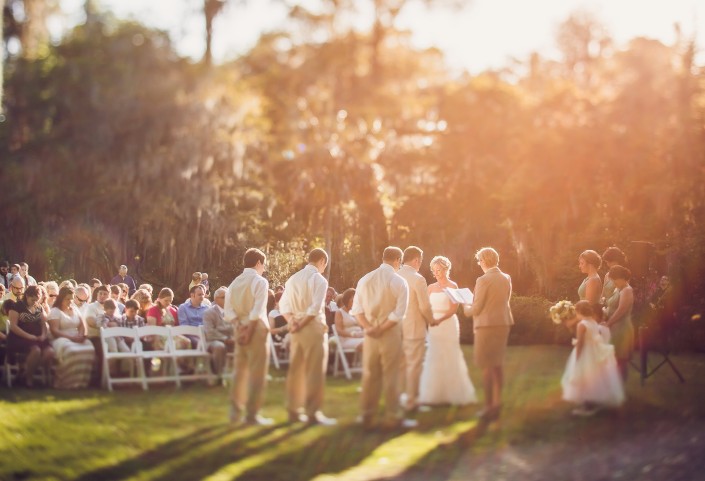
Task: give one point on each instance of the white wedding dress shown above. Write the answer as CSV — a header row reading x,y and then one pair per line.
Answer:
x,y
444,378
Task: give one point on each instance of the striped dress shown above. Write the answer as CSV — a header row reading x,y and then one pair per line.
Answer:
x,y
75,361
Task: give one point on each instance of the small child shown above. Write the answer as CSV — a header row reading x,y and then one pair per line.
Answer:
x,y
196,279
204,282
591,378
109,318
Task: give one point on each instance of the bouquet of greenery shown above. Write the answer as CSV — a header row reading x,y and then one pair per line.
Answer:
x,y
562,311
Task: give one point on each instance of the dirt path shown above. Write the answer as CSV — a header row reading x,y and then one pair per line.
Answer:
x,y
667,450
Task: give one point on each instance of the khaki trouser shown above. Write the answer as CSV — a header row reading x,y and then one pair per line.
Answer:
x,y
308,359
250,377
381,363
411,366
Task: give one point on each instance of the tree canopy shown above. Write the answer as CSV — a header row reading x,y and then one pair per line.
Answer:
x,y
117,150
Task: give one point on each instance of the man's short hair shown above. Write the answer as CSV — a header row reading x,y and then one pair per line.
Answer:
x,y
131,304
96,281
316,255
109,304
197,286
4,264
412,253
392,254
24,264
488,255
114,289
122,267
220,291
252,257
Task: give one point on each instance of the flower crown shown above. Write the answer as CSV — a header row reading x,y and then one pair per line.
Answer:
x,y
562,311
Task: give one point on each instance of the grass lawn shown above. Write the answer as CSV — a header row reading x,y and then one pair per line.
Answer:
x,y
169,434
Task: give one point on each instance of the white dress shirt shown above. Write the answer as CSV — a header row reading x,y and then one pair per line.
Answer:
x,y
380,295
246,298
305,295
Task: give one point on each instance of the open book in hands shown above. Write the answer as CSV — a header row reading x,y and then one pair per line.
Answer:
x,y
459,296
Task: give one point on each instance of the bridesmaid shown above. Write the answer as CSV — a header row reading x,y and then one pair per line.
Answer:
x,y
590,290
619,320
613,256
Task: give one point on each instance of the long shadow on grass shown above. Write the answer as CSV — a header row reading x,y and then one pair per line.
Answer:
x,y
335,450
184,447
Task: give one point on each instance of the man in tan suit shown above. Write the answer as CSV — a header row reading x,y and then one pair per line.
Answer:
x,y
381,299
492,319
246,308
415,325
302,304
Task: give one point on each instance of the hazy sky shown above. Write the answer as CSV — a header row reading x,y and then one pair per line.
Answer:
x,y
485,34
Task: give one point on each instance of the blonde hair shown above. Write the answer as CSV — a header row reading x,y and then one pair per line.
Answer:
x,y
443,261
488,255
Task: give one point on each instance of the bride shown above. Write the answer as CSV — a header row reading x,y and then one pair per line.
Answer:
x,y
444,379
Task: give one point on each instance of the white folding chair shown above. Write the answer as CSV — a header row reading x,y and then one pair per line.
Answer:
x,y
200,353
167,362
340,357
12,369
279,352
133,356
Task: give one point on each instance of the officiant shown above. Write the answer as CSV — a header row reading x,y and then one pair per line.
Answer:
x,y
492,319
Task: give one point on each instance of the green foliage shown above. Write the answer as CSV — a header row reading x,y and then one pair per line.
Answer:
x,y
119,151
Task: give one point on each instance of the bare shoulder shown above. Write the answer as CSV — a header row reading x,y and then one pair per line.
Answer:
x,y
453,283
435,287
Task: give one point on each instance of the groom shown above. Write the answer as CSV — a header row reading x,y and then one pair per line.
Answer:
x,y
418,317
380,304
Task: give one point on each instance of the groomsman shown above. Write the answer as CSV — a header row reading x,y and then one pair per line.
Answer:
x,y
246,308
381,299
415,325
302,305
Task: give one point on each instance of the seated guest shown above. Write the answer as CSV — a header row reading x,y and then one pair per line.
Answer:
x,y
44,299
163,313
17,286
28,333
148,288
144,298
129,320
52,289
81,298
191,312
3,291
205,283
24,274
95,283
219,333
124,292
74,353
115,292
14,271
4,275
123,278
331,296
277,323
196,279
93,313
110,318
349,330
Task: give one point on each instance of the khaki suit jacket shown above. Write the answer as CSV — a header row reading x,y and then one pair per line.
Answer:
x,y
490,306
418,313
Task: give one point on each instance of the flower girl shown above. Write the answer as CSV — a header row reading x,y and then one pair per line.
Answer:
x,y
591,378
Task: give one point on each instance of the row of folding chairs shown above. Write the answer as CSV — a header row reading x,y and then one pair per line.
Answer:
x,y
165,361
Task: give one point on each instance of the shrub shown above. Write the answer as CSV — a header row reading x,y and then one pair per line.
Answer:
x,y
532,324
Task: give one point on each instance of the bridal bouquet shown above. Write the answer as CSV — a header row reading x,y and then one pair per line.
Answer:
x,y
562,311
